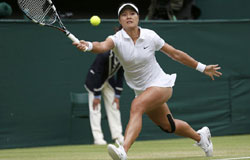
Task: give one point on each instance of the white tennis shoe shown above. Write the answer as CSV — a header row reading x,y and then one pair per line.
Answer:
x,y
117,153
205,142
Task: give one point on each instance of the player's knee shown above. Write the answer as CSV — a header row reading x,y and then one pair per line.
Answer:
x,y
172,125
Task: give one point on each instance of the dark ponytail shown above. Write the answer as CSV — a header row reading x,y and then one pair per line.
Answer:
x,y
118,28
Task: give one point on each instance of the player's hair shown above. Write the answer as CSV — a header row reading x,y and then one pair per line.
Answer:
x,y
118,28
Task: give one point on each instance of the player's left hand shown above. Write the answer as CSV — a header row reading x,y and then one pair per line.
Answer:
x,y
212,70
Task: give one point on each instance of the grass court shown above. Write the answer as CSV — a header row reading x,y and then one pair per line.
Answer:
x,y
225,148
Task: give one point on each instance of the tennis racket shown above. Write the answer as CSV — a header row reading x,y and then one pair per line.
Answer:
x,y
44,12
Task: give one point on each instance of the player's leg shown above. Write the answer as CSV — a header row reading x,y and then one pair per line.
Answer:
x,y
113,114
95,121
148,100
162,117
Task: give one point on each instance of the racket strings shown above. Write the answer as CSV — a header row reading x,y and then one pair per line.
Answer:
x,y
40,11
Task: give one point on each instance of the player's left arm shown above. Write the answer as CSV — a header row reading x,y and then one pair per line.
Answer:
x,y
184,58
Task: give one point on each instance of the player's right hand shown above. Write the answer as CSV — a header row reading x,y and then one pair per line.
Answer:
x,y
82,46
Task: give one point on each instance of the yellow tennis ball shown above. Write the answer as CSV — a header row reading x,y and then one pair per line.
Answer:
x,y
95,20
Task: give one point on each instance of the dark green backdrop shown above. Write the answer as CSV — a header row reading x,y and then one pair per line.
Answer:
x,y
39,68
224,9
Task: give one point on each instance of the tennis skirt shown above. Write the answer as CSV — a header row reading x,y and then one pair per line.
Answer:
x,y
165,81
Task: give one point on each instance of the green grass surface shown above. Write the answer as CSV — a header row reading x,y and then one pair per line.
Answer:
x,y
174,149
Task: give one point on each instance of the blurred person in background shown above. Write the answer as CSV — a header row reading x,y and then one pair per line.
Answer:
x,y
173,10
105,80
5,10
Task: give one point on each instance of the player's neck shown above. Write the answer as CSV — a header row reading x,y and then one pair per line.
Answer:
x,y
134,33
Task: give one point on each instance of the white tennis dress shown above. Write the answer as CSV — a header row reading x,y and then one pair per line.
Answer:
x,y
139,61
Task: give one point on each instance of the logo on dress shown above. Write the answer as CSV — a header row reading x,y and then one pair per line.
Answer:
x,y
145,47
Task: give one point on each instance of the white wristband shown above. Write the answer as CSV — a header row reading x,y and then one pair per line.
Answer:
x,y
89,47
201,67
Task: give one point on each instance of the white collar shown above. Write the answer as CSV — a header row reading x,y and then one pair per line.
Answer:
x,y
125,35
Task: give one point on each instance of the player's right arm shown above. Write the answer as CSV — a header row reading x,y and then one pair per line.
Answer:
x,y
97,47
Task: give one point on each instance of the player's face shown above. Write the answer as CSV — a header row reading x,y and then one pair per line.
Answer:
x,y
129,19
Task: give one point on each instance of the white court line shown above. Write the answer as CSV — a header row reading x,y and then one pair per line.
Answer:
x,y
233,158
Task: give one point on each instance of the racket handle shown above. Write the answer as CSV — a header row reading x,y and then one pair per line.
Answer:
x,y
73,38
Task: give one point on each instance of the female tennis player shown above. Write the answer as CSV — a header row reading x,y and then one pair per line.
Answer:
x,y
135,48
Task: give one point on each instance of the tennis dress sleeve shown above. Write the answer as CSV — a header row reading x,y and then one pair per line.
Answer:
x,y
116,41
158,42
114,38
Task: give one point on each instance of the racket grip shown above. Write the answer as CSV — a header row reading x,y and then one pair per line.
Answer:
x,y
73,38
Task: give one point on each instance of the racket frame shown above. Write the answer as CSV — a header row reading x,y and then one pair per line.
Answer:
x,y
62,28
